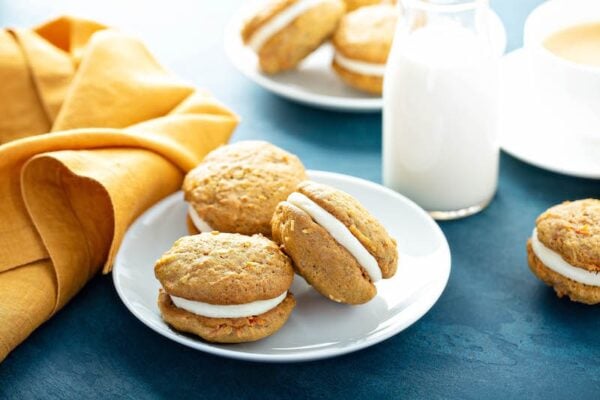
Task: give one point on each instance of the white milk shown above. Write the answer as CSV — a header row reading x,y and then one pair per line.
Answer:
x,y
440,118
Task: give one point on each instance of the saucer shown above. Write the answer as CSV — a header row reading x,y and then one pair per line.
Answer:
x,y
527,134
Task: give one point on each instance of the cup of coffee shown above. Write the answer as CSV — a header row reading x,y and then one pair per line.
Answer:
x,y
562,38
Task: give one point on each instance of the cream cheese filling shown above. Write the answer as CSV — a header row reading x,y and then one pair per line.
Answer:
x,y
360,67
339,232
556,263
278,22
230,310
198,222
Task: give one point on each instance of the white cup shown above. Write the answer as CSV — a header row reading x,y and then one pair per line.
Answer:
x,y
568,93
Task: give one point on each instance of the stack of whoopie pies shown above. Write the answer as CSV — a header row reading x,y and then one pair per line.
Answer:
x,y
283,32
254,219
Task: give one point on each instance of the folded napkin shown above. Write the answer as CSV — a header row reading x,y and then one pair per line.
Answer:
x,y
92,132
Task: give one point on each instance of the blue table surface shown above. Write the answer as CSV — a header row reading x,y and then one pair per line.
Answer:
x,y
496,332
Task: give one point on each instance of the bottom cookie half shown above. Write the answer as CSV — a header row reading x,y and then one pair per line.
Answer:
x,y
562,285
226,330
367,83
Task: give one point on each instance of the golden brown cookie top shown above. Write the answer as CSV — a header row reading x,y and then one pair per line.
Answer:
x,y
572,229
366,34
366,228
224,268
264,15
237,187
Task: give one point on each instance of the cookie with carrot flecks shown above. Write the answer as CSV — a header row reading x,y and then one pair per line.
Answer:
x,y
225,287
336,245
283,32
362,43
237,187
564,250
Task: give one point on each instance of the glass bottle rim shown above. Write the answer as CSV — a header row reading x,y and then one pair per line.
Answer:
x,y
447,6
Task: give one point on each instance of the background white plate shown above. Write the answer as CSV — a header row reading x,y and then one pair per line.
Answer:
x,y
318,327
313,82
525,135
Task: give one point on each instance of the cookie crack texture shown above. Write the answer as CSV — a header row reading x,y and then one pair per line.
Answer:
x,y
224,268
237,187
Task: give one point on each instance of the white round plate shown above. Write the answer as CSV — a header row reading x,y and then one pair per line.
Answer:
x,y
318,328
526,136
313,83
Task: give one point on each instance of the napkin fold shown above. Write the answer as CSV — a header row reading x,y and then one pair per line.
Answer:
x,y
93,131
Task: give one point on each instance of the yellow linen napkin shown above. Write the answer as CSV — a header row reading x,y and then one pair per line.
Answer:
x,y
92,132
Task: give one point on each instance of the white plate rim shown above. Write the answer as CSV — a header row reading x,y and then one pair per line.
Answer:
x,y
308,355
522,154
233,44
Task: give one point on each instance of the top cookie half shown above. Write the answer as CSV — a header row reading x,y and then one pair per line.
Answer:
x,y
237,187
367,33
572,229
224,269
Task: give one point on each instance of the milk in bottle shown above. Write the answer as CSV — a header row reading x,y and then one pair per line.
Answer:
x,y
440,113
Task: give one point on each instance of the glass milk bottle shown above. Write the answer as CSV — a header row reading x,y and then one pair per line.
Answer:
x,y
440,110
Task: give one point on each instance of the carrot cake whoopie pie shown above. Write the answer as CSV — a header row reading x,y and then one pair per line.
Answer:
x,y
237,187
335,244
284,32
564,250
362,43
224,287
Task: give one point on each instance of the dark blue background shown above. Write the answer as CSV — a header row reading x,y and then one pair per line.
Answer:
x,y
496,332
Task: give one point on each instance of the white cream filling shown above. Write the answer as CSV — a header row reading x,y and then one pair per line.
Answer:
x,y
555,262
360,67
279,21
228,311
339,232
199,223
